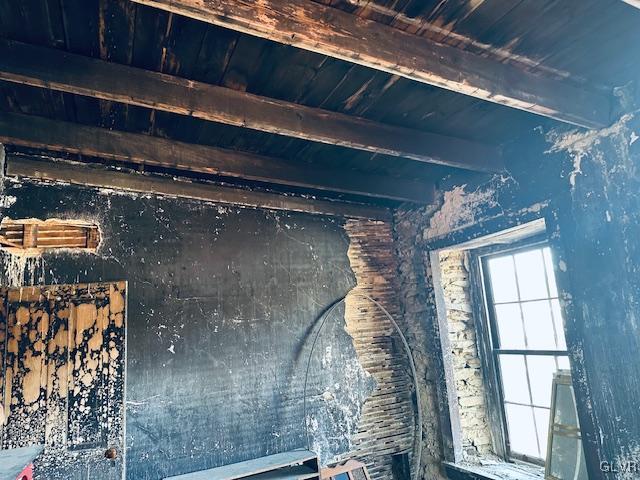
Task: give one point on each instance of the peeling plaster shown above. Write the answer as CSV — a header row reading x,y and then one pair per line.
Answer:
x,y
579,143
462,207
459,208
7,200
18,270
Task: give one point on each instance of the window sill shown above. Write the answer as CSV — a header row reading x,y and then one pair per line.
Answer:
x,y
493,471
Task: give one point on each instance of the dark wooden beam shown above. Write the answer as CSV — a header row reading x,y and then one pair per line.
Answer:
x,y
94,176
57,70
38,132
330,31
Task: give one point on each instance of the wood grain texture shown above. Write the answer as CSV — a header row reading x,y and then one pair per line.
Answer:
x,y
63,366
33,236
38,132
41,67
80,174
338,34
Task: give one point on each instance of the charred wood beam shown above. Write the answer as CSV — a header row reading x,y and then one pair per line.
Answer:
x,y
330,31
98,177
38,132
57,70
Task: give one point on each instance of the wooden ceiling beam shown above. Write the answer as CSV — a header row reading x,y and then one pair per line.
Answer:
x,y
329,31
99,177
58,70
38,132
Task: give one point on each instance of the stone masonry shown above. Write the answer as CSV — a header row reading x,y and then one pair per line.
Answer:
x,y
476,437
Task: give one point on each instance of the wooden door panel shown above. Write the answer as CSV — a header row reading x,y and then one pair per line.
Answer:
x,y
25,371
64,377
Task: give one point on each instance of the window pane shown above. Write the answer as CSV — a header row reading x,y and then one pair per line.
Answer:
x,y
531,277
510,325
503,279
557,318
538,324
563,363
522,431
541,369
514,379
551,276
567,458
566,413
542,425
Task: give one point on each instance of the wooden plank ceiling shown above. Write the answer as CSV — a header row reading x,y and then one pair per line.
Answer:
x,y
562,40
336,33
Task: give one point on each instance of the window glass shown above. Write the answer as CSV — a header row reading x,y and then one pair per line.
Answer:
x,y
509,321
541,369
559,324
528,343
563,363
520,419
538,325
514,379
551,278
531,275
503,279
542,426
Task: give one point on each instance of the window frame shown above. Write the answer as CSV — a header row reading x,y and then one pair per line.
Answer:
x,y
488,340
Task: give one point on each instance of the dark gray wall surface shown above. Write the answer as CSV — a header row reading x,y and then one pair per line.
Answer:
x,y
585,184
599,231
221,302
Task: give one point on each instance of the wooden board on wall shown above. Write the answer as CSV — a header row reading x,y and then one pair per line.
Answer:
x,y
63,374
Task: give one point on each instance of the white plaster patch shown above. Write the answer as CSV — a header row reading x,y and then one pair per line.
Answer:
x,y
7,201
634,138
459,208
327,358
578,143
536,207
577,169
328,396
19,270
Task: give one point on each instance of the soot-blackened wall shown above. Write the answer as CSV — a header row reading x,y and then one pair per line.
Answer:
x,y
221,302
584,184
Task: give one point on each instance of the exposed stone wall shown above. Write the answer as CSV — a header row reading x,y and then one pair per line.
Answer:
x,y
467,208
419,315
418,305
467,372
